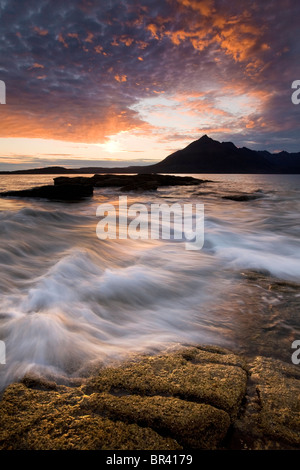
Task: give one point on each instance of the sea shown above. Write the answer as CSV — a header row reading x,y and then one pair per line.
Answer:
x,y
71,301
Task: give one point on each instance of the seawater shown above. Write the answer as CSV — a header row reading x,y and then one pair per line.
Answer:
x,y
70,301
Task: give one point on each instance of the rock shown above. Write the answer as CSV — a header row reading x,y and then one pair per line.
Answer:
x,y
111,181
40,383
62,192
193,425
129,182
272,415
43,420
61,180
190,374
187,398
243,197
80,187
183,399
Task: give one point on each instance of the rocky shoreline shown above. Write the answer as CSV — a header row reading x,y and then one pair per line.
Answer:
x,y
192,397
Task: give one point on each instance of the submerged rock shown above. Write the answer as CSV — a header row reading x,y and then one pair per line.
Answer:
x,y
243,197
193,397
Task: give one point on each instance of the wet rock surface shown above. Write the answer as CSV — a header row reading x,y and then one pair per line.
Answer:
x,y
192,397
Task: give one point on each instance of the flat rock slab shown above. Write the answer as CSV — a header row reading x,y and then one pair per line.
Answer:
x,y
44,420
216,379
192,397
184,399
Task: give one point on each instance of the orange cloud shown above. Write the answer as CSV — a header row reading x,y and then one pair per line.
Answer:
x,y
142,44
204,25
36,66
98,49
153,30
62,40
71,125
90,37
126,40
115,42
121,78
73,35
204,7
40,31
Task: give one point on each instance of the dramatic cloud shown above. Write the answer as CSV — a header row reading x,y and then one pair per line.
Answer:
x,y
85,71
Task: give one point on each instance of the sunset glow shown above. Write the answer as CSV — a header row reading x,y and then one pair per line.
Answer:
x,y
90,82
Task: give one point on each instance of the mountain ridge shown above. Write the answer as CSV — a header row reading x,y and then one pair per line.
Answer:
x,y
204,155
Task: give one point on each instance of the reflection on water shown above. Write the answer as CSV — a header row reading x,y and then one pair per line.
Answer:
x,y
68,298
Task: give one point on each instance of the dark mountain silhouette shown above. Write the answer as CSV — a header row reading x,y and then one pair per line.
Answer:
x,y
204,155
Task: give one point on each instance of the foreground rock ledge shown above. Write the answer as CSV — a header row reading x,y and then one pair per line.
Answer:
x,y
195,397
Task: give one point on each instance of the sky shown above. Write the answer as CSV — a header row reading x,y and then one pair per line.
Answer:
x,y
119,82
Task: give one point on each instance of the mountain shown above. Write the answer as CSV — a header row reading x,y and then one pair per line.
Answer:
x,y
204,155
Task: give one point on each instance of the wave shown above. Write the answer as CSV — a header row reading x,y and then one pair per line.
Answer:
x,y
69,300
79,311
251,249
